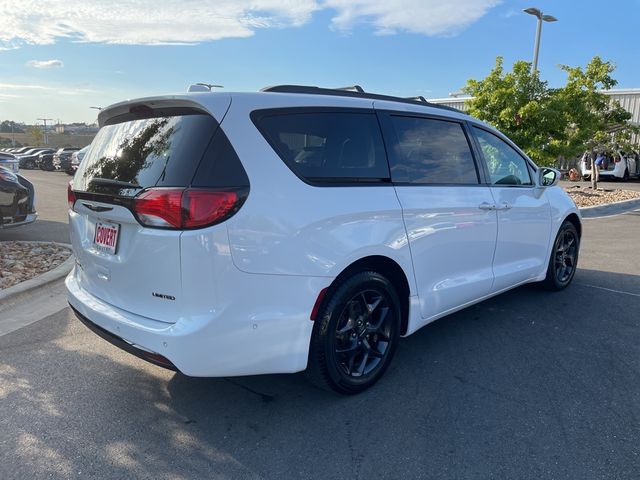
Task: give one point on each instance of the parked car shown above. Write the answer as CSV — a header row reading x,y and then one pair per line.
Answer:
x,y
19,150
62,158
621,166
17,200
10,162
76,159
302,228
45,161
28,160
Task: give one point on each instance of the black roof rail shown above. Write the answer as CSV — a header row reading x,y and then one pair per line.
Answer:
x,y
355,91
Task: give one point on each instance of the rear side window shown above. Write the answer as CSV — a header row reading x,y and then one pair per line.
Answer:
x,y
148,152
327,147
430,151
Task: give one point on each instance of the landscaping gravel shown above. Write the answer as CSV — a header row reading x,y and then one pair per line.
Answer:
x,y
20,261
586,197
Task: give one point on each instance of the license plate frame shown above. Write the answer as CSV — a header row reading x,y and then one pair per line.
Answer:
x,y
106,237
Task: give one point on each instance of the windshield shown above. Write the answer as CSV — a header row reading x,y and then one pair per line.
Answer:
x,y
161,151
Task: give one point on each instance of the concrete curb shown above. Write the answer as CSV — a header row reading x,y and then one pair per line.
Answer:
x,y
22,288
610,209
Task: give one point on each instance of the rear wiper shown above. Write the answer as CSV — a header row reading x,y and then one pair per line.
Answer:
x,y
107,182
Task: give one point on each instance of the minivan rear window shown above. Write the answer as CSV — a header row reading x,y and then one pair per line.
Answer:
x,y
142,153
327,147
430,151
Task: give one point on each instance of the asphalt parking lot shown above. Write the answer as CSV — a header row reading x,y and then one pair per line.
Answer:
x,y
525,385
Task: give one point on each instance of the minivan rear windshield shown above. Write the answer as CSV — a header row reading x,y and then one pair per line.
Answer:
x,y
142,153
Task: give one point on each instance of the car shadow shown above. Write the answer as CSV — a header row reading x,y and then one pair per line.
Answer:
x,y
529,384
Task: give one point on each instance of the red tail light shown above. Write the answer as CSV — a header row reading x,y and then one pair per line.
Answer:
x,y
204,207
71,196
617,159
161,207
185,208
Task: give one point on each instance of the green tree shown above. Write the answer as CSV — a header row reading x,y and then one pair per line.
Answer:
x,y
551,122
593,120
521,106
8,126
35,135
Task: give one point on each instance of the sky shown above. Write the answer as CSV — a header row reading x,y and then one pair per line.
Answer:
x,y
58,58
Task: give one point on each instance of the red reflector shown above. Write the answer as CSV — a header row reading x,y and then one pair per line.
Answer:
x,y
71,196
184,208
158,359
316,306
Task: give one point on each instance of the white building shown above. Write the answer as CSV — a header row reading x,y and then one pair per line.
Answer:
x,y
629,98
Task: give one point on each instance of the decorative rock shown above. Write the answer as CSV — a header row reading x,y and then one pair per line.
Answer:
x,y
20,261
589,198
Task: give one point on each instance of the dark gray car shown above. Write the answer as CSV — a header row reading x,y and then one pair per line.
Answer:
x,y
17,200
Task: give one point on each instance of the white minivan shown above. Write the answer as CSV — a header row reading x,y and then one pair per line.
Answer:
x,y
302,228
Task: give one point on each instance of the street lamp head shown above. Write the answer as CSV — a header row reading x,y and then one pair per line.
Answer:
x,y
549,18
533,11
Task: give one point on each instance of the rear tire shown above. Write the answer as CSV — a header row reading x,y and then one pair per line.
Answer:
x,y
355,334
563,260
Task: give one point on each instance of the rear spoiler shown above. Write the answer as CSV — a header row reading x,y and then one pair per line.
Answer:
x,y
214,104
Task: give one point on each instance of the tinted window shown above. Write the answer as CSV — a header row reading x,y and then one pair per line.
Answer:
x,y
324,146
220,166
506,166
161,151
430,151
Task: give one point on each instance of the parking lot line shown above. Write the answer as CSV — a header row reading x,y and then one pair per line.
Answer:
x,y
609,289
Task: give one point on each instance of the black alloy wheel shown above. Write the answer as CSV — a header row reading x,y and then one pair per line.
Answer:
x,y
355,334
564,257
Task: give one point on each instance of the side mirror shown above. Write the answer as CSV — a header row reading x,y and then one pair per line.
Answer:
x,y
548,177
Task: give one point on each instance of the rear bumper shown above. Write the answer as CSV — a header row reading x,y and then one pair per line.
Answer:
x,y
158,360
265,328
30,218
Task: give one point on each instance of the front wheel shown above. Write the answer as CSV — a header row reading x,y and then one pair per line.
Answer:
x,y
564,258
355,334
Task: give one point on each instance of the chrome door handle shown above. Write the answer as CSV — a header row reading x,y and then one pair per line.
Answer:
x,y
486,206
503,206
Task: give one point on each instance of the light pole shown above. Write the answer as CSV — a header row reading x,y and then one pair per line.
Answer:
x,y
536,12
99,110
46,137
